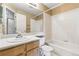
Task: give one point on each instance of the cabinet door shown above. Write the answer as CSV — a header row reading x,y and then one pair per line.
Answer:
x,y
22,54
16,51
33,52
32,45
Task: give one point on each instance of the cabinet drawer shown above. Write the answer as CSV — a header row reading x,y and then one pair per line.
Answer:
x,y
13,51
33,52
32,45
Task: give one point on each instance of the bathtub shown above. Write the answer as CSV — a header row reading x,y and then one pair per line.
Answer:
x,y
64,48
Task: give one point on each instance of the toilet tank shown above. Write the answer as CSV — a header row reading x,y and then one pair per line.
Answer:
x,y
41,38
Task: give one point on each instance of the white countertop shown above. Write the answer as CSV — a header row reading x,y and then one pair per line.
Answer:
x,y
12,42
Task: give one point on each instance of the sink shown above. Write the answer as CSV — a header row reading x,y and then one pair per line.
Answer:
x,y
13,40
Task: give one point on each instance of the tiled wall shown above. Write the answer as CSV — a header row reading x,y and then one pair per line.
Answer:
x,y
65,31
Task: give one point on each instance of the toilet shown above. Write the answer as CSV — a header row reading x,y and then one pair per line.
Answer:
x,y
45,50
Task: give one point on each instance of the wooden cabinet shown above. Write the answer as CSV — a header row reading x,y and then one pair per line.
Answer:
x,y
33,52
32,48
13,51
32,45
28,49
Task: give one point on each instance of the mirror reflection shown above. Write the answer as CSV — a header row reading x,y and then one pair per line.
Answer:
x,y
16,18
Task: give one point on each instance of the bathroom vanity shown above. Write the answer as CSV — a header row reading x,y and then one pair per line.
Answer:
x,y
25,48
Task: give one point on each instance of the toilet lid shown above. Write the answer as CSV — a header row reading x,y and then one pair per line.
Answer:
x,y
47,48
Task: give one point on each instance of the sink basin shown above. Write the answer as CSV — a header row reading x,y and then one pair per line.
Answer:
x,y
13,40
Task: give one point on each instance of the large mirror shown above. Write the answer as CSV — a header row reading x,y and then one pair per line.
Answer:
x,y
21,18
17,18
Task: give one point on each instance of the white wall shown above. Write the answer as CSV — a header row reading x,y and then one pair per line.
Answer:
x,y
36,25
47,26
20,23
65,32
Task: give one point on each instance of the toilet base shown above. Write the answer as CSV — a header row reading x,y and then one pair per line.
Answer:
x,y
46,50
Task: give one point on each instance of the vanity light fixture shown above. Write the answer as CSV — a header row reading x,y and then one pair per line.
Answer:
x,y
33,5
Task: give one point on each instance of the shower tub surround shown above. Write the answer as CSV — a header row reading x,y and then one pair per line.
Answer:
x,y
65,32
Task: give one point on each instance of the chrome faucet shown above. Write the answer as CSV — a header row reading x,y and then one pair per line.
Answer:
x,y
19,36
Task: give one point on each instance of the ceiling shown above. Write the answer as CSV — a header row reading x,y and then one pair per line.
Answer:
x,y
49,5
26,8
